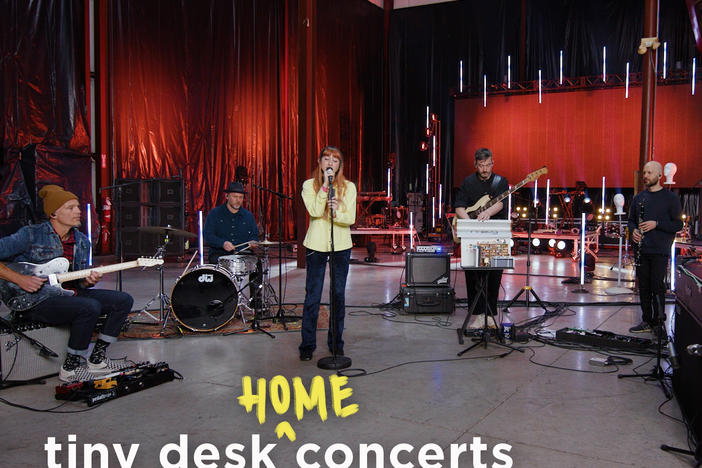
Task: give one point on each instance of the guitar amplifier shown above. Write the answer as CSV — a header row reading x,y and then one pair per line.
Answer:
x,y
427,300
21,360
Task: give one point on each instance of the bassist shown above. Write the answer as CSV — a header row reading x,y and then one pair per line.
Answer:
x,y
60,237
474,187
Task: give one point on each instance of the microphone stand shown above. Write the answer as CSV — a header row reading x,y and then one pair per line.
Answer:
x,y
333,362
280,314
118,228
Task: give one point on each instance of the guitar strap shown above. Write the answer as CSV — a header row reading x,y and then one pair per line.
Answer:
x,y
495,182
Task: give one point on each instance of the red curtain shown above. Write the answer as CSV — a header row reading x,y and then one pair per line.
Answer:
x,y
201,88
579,135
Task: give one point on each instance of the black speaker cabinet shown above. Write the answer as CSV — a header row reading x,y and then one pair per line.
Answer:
x,y
21,360
427,269
428,300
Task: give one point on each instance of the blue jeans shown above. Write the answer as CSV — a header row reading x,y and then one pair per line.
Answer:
x,y
316,269
81,312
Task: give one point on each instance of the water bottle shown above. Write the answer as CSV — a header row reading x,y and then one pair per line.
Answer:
x,y
507,327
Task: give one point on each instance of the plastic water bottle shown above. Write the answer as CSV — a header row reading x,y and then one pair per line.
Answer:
x,y
507,327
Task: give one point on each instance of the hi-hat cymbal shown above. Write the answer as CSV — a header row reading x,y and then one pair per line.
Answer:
x,y
267,243
166,230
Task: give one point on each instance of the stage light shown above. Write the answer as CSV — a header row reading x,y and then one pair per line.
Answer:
x,y
672,266
608,217
608,210
427,125
434,117
441,189
536,242
423,146
428,132
603,194
626,85
509,202
587,199
555,208
560,81
567,199
694,66
411,229
427,180
484,90
548,201
555,215
460,76
599,217
669,171
552,243
523,215
561,245
509,71
604,64
200,240
511,243
665,60
90,234
388,183
684,216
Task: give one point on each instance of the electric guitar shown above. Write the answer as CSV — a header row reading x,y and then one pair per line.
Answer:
x,y
486,202
56,272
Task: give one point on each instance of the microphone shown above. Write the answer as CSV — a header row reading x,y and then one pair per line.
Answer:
x,y
330,174
694,350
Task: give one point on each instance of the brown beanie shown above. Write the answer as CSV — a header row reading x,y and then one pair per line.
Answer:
x,y
54,197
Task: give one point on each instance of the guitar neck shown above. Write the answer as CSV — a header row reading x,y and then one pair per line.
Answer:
x,y
80,274
501,196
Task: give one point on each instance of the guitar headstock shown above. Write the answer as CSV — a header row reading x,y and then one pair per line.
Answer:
x,y
536,174
148,261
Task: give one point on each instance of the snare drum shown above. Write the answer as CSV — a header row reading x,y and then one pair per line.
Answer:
x,y
238,265
205,298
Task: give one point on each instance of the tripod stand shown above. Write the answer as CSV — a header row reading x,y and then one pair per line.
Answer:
x,y
259,303
657,372
280,314
527,288
482,292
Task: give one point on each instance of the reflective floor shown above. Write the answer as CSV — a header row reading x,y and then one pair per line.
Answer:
x,y
561,413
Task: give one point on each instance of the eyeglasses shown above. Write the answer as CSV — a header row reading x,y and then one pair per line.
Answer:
x,y
484,165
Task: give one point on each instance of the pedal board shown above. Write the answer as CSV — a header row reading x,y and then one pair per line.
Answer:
x,y
602,339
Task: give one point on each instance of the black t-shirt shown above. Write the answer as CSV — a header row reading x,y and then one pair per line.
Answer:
x,y
473,188
662,206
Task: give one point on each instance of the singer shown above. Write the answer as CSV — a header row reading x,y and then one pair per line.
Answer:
x,y
328,198
654,218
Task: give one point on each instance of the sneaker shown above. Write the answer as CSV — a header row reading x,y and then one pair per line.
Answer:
x,y
491,322
305,355
643,327
107,365
477,321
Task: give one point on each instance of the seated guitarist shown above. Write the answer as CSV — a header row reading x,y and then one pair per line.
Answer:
x,y
40,243
474,187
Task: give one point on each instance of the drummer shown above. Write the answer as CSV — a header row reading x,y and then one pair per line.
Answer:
x,y
230,228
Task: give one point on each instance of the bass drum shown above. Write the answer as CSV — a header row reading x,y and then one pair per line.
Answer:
x,y
205,298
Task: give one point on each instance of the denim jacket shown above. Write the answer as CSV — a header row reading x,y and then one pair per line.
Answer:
x,y
39,243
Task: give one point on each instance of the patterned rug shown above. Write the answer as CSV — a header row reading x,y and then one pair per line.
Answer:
x,y
142,327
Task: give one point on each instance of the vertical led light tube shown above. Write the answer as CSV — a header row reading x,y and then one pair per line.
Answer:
x,y
460,76
539,86
603,198
411,229
509,71
89,221
388,195
536,193
548,200
626,86
484,90
672,266
582,250
694,66
560,74
433,150
427,125
665,60
604,64
200,242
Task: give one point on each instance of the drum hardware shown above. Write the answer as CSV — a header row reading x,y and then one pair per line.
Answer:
x,y
163,300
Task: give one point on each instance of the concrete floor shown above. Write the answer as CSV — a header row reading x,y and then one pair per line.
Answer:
x,y
417,391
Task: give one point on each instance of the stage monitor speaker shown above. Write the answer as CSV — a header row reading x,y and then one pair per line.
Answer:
x,y
134,215
133,191
167,191
169,216
427,269
21,360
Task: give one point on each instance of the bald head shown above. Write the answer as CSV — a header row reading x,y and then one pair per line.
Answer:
x,y
652,173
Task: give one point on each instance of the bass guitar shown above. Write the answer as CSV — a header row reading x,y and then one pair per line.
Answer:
x,y
56,272
486,202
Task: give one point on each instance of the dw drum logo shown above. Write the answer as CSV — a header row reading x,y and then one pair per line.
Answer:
x,y
205,278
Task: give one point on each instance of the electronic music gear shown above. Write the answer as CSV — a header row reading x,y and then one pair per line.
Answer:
x,y
602,339
21,360
428,300
427,269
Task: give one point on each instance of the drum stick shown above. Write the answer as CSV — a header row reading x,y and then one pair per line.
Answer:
x,y
188,265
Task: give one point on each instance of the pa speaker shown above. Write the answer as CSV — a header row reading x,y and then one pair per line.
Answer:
x,y
21,360
427,269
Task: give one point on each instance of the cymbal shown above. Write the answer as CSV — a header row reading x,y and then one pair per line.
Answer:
x,y
166,230
267,243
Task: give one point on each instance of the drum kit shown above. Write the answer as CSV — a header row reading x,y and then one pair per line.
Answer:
x,y
207,297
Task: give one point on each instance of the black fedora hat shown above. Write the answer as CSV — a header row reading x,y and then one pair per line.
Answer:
x,y
237,187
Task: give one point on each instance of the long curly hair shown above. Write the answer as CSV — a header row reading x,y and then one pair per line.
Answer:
x,y
339,183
